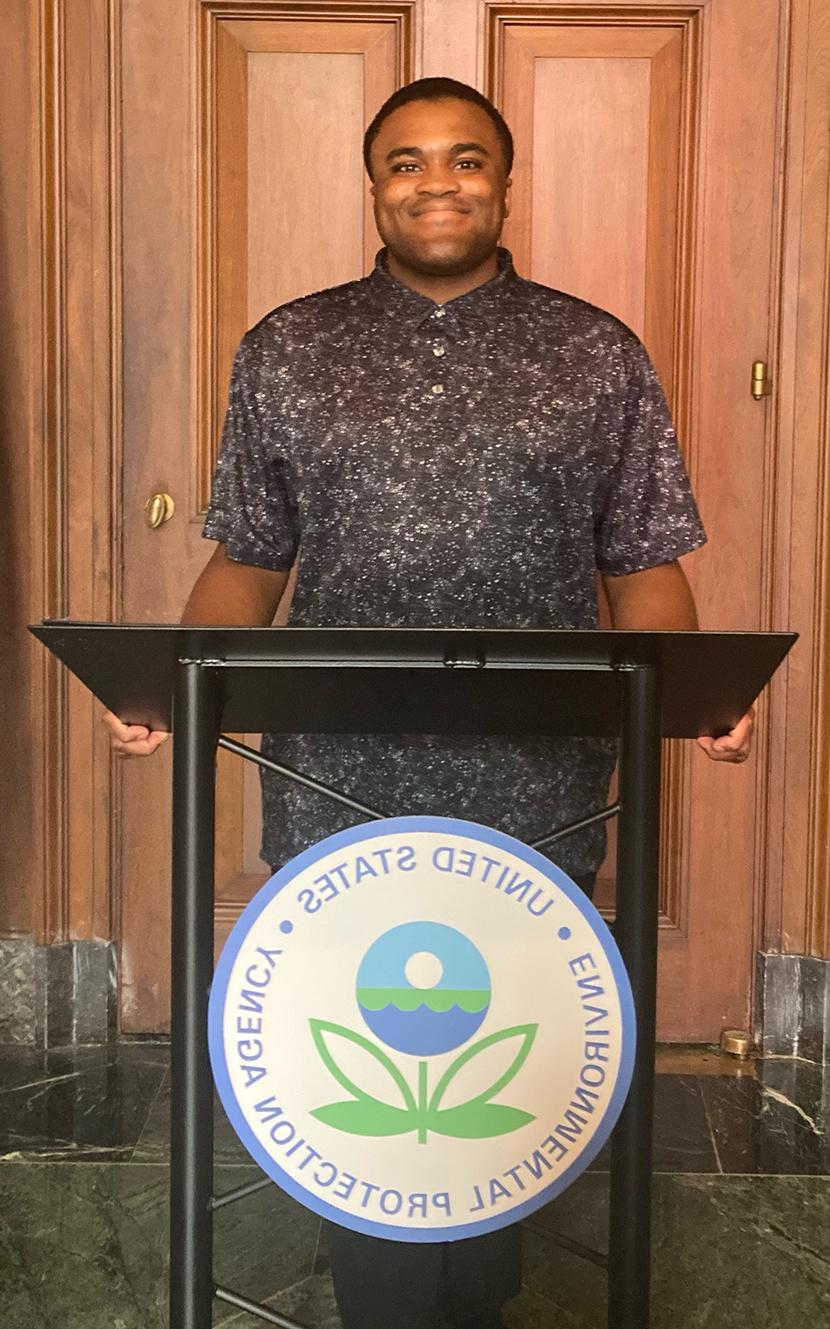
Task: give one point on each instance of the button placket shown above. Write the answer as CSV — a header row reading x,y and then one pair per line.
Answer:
x,y
439,350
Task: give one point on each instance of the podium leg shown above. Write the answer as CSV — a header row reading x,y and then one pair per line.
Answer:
x,y
196,717
629,1258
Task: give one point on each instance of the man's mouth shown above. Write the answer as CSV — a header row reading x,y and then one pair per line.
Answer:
x,y
433,208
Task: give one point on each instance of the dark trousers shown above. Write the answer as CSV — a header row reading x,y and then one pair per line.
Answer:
x,y
383,1284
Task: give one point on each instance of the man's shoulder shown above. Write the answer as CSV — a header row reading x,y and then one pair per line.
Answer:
x,y
571,314
306,317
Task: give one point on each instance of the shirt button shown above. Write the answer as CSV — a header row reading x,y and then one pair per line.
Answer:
x,y
437,389
439,312
439,350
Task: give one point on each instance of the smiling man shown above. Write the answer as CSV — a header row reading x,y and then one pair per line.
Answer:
x,y
444,443
440,202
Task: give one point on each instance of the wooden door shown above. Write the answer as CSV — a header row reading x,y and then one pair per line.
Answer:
x,y
644,182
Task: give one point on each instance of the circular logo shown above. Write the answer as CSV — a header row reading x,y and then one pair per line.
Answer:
x,y
423,988
421,1029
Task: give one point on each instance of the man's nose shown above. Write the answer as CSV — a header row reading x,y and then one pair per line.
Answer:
x,y
437,179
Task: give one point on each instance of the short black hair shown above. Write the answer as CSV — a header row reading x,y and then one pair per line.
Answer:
x,y
436,90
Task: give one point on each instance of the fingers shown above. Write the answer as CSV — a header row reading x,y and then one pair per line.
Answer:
x,y
140,747
124,732
132,740
735,746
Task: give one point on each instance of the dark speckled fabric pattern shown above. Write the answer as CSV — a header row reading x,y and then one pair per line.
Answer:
x,y
466,465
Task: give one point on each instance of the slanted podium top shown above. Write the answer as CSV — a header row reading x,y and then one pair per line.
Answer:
x,y
421,680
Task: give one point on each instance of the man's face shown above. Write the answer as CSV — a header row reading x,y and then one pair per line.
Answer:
x,y
440,186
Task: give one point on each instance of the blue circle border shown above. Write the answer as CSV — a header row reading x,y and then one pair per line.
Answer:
x,y
286,874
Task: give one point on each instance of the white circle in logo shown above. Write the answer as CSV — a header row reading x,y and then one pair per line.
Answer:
x,y
421,1029
423,969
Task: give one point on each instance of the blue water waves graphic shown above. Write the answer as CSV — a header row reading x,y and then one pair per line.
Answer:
x,y
423,1032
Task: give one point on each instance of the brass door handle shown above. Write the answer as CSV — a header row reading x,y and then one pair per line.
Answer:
x,y
158,509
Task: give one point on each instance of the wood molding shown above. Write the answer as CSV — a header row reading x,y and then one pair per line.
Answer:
x,y
51,905
244,886
818,876
794,908
115,845
75,521
818,868
593,13
395,22
226,912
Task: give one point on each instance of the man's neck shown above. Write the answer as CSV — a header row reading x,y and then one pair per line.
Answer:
x,y
443,288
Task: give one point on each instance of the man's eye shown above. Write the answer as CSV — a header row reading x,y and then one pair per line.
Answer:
x,y
468,161
404,166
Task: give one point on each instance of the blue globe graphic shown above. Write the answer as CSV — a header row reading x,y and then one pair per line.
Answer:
x,y
423,988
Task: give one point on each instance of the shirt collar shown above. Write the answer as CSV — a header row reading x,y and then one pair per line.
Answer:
x,y
403,304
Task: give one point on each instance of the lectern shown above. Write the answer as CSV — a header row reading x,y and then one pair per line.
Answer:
x,y
634,686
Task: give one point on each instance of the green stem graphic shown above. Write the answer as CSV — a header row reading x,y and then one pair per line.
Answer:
x,y
423,1102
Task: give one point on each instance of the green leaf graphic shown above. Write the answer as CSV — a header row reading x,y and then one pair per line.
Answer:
x,y
478,1121
321,1030
366,1116
524,1032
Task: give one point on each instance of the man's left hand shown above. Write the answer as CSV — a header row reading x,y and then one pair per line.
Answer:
x,y
734,746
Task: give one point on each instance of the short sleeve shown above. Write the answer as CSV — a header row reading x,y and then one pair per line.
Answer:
x,y
644,512
251,508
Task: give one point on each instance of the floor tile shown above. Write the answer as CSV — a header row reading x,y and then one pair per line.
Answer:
x,y
81,1104
777,1124
682,1134
728,1251
153,1145
310,1303
87,1246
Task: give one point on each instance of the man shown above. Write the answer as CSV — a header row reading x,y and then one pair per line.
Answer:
x,y
444,444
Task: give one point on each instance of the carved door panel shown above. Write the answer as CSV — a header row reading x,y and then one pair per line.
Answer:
x,y
644,182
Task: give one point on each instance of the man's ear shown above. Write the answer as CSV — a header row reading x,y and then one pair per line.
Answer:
x,y
508,195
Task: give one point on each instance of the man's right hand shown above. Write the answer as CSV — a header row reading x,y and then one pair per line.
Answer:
x,y
225,593
132,740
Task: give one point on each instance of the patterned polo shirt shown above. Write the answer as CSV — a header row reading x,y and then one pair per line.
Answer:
x,y
471,464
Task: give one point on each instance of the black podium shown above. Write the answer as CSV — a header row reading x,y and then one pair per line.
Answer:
x,y
637,686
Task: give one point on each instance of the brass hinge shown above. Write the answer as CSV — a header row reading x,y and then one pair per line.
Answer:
x,y
761,385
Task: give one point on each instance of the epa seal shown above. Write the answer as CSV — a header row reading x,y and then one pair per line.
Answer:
x,y
421,1029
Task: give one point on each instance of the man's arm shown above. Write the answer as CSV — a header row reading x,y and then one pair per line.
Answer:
x,y
225,594
229,594
657,600
660,600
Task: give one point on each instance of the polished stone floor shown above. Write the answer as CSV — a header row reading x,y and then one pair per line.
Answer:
x,y
741,1204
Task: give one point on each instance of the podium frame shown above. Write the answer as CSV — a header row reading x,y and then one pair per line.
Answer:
x,y
633,664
